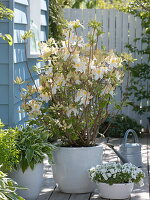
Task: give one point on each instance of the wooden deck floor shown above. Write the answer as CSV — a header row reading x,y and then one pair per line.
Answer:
x,y
50,192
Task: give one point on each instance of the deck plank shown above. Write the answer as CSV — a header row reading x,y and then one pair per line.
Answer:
x,y
80,196
56,195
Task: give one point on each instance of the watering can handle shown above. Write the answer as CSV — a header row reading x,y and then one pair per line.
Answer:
x,y
134,135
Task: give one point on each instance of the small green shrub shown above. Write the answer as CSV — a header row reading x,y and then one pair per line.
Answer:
x,y
8,188
8,151
119,125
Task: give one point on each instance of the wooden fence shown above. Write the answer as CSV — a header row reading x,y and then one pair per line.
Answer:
x,y
119,29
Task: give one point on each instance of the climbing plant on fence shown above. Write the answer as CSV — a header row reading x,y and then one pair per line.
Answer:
x,y
140,73
56,18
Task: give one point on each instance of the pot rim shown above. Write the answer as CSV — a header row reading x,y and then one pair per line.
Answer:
x,y
114,183
95,146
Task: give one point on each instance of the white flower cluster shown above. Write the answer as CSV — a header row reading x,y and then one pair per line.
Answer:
x,y
116,173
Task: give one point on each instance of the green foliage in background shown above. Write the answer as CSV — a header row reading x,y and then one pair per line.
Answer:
x,y
6,13
56,18
99,4
119,125
140,73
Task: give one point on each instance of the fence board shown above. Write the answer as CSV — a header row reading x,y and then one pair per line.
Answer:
x,y
112,29
118,31
125,31
85,24
79,15
105,28
138,35
67,14
73,15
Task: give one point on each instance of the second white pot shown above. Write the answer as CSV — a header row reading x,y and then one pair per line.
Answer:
x,y
71,165
115,191
31,179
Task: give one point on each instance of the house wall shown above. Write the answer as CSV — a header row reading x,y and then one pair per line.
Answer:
x,y
6,66
14,61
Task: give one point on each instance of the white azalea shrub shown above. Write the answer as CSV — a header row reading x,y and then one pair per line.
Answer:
x,y
113,173
77,84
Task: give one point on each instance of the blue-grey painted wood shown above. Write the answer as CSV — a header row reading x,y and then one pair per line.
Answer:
x,y
19,53
19,30
17,97
3,74
43,34
23,2
20,70
4,30
20,14
6,3
19,115
4,69
43,18
4,114
4,27
13,60
11,70
4,94
4,49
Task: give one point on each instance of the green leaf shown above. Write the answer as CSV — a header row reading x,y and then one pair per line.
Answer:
x,y
7,38
29,154
14,196
118,107
24,164
3,197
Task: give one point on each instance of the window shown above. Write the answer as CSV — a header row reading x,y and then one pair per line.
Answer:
x,y
34,21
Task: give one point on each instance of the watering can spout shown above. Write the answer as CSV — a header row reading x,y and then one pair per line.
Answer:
x,y
129,152
123,159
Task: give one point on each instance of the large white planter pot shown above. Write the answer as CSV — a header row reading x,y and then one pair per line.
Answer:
x,y
31,179
115,191
71,165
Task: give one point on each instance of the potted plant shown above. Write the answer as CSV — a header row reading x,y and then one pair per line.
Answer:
x,y
116,181
8,188
22,152
33,147
77,86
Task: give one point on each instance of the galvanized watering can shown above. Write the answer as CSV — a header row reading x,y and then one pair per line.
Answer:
x,y
129,152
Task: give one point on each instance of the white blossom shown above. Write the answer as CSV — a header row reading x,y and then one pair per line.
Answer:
x,y
83,97
45,97
71,110
109,171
